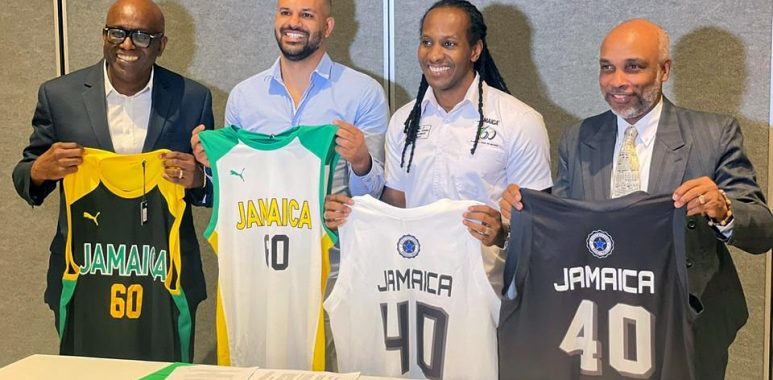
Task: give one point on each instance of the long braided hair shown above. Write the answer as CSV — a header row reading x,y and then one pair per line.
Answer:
x,y
485,66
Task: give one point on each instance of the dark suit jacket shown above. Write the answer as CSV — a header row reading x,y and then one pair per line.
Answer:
x,y
688,145
72,108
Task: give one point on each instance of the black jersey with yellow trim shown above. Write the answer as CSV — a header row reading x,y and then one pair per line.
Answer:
x,y
121,290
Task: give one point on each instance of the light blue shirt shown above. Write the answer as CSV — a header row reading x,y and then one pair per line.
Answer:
x,y
262,104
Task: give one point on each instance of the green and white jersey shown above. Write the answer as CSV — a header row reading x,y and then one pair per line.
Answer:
x,y
268,232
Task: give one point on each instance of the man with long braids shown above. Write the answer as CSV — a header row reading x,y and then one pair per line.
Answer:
x,y
467,138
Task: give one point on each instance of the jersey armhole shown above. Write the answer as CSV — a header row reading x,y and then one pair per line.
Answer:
x,y
340,287
217,143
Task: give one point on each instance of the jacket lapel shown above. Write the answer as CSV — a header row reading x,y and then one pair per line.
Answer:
x,y
96,105
669,155
159,108
596,150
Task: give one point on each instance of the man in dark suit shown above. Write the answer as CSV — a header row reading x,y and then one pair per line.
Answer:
x,y
698,157
125,104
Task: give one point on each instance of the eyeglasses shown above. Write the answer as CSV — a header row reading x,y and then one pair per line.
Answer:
x,y
139,38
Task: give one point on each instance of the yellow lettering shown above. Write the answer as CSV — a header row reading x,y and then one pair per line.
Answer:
x,y
274,216
242,220
264,212
272,211
305,218
252,215
291,212
285,214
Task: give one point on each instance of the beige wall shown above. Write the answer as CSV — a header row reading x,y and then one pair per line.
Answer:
x,y
545,50
27,326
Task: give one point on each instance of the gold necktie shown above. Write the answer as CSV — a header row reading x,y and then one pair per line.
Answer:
x,y
626,174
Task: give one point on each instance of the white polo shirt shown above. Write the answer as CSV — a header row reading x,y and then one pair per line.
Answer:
x,y
513,148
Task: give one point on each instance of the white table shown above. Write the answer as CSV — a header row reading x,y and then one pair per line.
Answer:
x,y
36,367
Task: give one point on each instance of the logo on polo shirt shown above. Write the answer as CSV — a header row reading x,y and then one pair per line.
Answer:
x,y
488,136
423,132
487,120
487,133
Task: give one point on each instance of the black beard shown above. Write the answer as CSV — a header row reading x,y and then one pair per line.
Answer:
x,y
308,49
304,53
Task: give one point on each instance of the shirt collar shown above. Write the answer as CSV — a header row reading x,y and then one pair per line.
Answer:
x,y
109,89
323,69
470,98
646,127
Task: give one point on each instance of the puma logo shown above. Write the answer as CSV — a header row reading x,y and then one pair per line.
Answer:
x,y
92,217
240,175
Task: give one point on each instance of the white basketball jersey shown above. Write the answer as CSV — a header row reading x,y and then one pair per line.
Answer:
x,y
267,231
412,298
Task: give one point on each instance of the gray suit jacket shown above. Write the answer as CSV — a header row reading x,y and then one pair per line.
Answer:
x,y
688,144
72,108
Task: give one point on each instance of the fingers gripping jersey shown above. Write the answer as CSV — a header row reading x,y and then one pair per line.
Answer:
x,y
602,291
267,231
412,298
121,293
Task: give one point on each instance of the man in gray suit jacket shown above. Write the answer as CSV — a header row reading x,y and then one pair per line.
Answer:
x,y
125,104
698,157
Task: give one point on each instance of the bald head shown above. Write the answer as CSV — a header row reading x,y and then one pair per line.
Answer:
x,y
324,7
634,63
147,10
128,64
641,32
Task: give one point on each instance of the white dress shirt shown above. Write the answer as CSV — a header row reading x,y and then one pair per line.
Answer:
x,y
128,116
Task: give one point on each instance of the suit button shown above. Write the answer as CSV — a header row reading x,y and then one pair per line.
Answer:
x,y
689,263
691,224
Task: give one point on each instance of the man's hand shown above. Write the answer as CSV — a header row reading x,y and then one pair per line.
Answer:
x,y
701,195
350,144
485,224
60,159
511,197
198,148
336,210
181,168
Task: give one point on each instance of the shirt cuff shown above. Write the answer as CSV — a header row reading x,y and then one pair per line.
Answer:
x,y
512,292
725,231
370,183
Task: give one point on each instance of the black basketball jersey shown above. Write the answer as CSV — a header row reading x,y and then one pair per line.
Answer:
x,y
601,289
121,294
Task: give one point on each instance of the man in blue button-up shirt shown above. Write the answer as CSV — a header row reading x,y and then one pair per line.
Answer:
x,y
305,87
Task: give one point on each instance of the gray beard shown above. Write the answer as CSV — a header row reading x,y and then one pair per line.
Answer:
x,y
644,103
